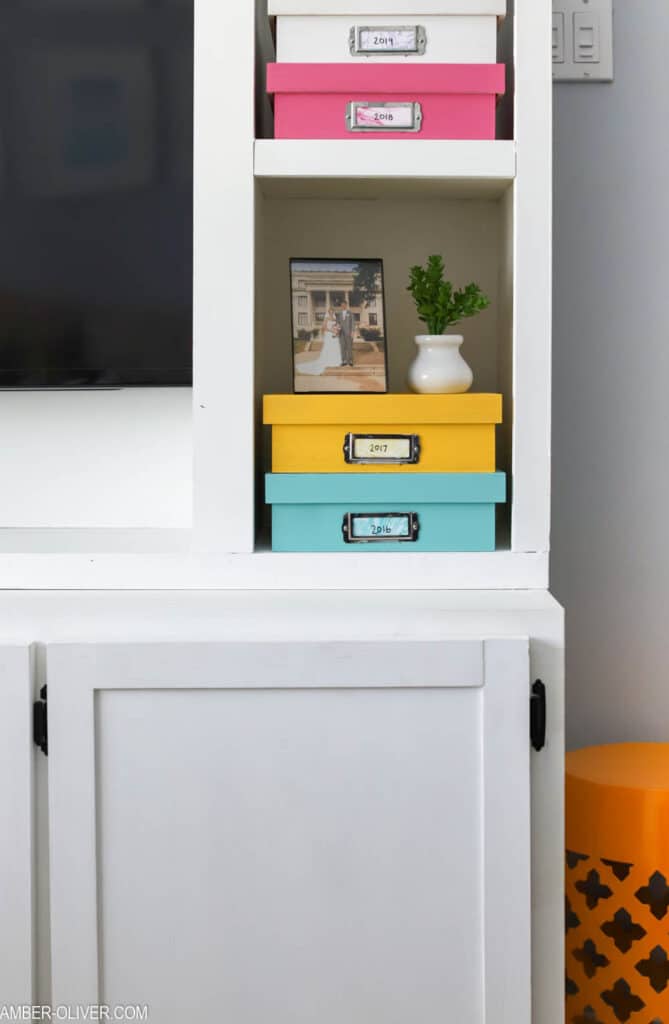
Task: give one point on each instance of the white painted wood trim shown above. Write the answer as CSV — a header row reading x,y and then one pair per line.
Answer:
x,y
308,665
72,836
76,671
17,853
548,836
379,7
506,742
425,158
223,363
125,570
533,281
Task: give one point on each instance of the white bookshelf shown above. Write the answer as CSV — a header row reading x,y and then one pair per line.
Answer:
x,y
132,541
258,201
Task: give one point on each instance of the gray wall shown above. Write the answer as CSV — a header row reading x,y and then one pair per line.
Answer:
x,y
610,565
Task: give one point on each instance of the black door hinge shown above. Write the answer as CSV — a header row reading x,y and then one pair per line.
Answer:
x,y
40,722
538,715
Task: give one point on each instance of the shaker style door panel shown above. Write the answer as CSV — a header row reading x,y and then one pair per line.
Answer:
x,y
292,832
16,827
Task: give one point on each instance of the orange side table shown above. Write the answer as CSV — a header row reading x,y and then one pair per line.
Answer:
x,y
617,911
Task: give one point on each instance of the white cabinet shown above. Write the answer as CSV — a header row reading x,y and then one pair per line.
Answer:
x,y
292,832
16,826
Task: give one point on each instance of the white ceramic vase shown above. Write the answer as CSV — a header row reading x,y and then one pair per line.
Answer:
x,y
438,368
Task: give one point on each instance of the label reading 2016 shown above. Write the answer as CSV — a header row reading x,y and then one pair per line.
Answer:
x,y
375,527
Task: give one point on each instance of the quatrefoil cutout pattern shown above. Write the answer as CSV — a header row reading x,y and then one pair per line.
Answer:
x,y
656,968
617,937
590,959
622,1000
593,889
655,895
623,930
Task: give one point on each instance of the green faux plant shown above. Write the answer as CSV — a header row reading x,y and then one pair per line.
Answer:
x,y
439,305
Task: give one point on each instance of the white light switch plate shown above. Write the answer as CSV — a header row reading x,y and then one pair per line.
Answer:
x,y
582,40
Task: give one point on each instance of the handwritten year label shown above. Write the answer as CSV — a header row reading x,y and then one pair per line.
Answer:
x,y
382,448
384,117
392,448
407,40
377,40
371,527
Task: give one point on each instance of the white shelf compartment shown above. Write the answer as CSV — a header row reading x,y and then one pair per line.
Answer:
x,y
400,201
81,460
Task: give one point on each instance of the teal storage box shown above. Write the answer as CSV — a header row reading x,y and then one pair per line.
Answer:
x,y
384,512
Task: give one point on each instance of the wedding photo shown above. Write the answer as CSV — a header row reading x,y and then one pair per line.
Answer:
x,y
339,325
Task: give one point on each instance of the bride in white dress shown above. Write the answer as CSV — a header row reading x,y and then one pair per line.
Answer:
x,y
330,353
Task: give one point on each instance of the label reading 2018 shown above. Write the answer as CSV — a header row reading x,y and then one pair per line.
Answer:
x,y
401,115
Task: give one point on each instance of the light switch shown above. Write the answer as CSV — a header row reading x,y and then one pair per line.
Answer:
x,y
582,40
558,37
586,38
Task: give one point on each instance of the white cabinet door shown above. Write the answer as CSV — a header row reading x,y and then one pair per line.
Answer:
x,y
16,827
292,833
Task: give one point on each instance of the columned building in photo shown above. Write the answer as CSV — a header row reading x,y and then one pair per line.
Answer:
x,y
316,287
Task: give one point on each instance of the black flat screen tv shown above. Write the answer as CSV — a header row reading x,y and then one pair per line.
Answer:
x,y
96,194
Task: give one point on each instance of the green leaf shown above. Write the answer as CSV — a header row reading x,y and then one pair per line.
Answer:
x,y
437,303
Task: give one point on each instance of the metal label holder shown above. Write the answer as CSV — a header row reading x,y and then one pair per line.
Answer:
x,y
381,460
413,524
358,49
383,126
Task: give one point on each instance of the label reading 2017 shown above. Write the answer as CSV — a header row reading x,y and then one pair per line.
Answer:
x,y
395,449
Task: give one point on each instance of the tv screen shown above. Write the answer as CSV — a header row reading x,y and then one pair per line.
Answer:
x,y
96,193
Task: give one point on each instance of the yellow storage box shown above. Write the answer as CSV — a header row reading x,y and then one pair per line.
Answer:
x,y
383,433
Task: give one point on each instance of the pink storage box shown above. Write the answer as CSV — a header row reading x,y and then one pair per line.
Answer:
x,y
389,101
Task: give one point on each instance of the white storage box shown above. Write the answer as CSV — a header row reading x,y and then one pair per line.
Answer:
x,y
431,38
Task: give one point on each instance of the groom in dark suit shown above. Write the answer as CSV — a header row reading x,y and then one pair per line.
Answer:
x,y
346,322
